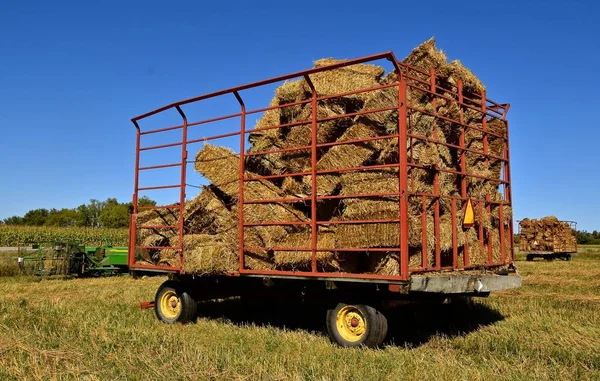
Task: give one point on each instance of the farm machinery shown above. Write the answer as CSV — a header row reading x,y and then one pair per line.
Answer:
x,y
70,258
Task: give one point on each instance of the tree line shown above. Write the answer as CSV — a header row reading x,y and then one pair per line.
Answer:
x,y
587,238
106,214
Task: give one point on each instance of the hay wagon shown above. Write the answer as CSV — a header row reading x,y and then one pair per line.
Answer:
x,y
547,238
351,187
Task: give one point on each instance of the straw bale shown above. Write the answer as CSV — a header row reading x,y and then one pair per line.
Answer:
x,y
426,56
346,79
297,260
295,186
454,71
206,254
345,155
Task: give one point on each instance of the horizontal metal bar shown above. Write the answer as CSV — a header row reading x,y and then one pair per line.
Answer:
x,y
282,150
388,55
277,200
278,106
428,91
358,222
336,143
215,137
267,177
336,249
364,90
149,148
431,195
456,173
349,169
322,274
155,267
352,141
160,166
160,187
358,113
344,196
159,227
175,206
456,147
219,118
159,247
276,223
190,124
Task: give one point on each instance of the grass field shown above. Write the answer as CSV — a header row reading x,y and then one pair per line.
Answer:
x,y
92,329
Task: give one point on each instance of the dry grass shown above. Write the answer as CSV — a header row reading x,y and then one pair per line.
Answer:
x,y
548,329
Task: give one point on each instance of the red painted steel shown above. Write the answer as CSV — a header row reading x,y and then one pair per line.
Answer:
x,y
313,179
408,77
241,182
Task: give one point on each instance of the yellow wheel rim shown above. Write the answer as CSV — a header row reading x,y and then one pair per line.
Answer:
x,y
170,305
351,323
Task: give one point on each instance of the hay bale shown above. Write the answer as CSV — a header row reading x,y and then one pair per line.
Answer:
x,y
296,260
454,71
345,156
207,255
426,56
546,234
346,79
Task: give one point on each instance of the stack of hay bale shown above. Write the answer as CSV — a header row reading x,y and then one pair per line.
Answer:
x,y
546,234
211,219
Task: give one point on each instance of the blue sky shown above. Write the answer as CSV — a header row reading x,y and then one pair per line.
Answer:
x,y
72,74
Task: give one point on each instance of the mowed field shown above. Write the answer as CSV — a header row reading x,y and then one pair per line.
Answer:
x,y
92,329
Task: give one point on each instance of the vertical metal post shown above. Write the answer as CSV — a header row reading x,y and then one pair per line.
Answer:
x,y
508,187
436,218
480,209
403,177
454,236
463,164
184,156
424,246
436,177
489,233
502,238
313,173
241,182
136,179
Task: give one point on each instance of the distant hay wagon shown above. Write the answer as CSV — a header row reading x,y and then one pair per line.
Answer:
x,y
547,238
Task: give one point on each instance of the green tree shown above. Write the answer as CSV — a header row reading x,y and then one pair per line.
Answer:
x,y
63,217
14,220
36,217
114,214
146,201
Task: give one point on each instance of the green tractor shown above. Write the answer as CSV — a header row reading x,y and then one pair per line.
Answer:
x,y
70,258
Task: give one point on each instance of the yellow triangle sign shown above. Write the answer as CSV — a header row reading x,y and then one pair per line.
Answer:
x,y
469,219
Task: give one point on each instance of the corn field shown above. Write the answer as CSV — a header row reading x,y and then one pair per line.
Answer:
x,y
18,235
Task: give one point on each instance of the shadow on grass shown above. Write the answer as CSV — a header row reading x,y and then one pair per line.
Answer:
x,y
410,324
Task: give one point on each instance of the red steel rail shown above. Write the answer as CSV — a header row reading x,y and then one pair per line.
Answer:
x,y
409,78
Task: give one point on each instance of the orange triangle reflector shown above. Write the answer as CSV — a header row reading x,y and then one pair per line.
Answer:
x,y
469,219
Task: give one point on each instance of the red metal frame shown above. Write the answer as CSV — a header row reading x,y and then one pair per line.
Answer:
x,y
408,78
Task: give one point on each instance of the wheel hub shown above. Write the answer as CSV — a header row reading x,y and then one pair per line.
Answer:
x,y
170,305
351,323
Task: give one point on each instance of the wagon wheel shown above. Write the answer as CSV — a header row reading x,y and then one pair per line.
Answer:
x,y
173,305
353,325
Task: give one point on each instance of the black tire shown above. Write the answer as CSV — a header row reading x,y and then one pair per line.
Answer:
x,y
371,328
173,305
